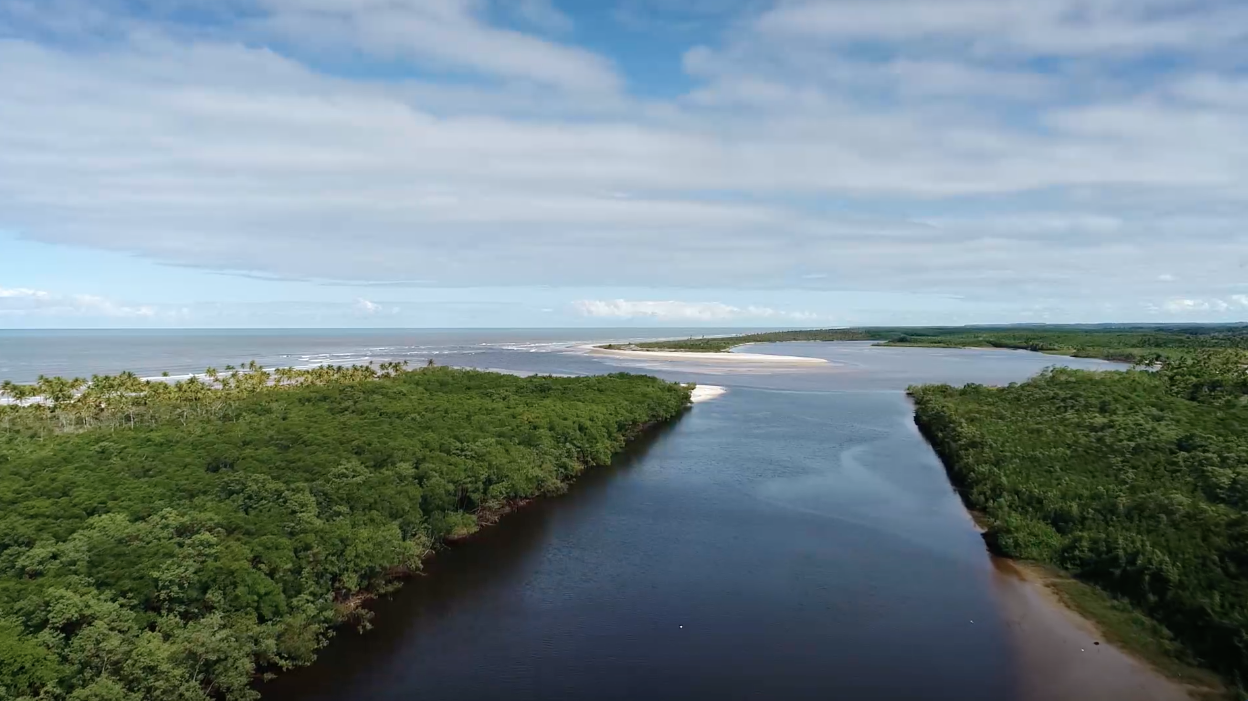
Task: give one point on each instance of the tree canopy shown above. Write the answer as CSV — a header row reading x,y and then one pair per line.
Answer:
x,y
1128,343
165,541
1136,482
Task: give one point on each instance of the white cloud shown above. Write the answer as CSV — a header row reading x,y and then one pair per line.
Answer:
x,y
1196,305
261,175
1166,277
1052,27
369,308
1215,90
449,32
791,164
681,311
19,301
542,14
452,36
23,293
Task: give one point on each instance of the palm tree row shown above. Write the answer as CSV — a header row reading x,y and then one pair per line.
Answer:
x,y
61,404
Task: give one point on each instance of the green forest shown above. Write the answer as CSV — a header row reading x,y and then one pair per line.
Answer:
x,y
1135,482
1127,343
1131,344
174,540
720,344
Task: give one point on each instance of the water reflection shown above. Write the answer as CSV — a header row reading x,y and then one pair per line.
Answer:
x,y
491,566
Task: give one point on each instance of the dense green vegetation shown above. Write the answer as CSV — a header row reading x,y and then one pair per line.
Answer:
x,y
1133,344
165,541
725,343
1135,481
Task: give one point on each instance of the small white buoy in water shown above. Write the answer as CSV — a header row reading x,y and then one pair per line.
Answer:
x,y
972,621
1082,650
682,626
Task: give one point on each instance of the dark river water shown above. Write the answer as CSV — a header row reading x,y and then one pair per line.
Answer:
x,y
793,539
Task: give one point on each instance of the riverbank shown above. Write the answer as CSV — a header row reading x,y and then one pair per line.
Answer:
x,y
1045,461
1073,644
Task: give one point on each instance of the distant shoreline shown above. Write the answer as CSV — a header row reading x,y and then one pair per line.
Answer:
x,y
741,358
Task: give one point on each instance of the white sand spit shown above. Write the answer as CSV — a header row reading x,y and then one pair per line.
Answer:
x,y
705,393
717,358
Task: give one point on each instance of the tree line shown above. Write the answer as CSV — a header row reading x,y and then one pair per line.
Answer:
x,y
720,344
1135,482
1126,343
165,540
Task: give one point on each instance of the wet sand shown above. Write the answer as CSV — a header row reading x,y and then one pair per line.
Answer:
x,y
1058,651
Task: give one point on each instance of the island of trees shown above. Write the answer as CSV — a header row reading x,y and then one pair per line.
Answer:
x,y
723,344
168,540
1127,343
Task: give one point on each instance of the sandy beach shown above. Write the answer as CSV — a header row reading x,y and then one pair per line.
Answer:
x,y
705,393
1063,657
728,358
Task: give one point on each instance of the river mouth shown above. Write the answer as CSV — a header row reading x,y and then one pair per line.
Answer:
x,y
794,537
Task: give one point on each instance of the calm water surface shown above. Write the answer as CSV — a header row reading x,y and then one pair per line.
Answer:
x,y
793,539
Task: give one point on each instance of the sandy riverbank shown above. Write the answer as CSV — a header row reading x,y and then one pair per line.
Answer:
x,y
727,358
1063,656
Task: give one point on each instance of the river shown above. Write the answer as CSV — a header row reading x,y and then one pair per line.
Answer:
x,y
795,538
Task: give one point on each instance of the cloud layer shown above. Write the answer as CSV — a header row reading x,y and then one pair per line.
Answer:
x,y
975,148
1200,306
21,302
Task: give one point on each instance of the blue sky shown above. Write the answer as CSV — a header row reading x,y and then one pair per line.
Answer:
x,y
202,163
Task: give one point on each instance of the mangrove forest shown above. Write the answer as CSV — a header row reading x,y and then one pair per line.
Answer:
x,y
175,541
1121,342
1133,481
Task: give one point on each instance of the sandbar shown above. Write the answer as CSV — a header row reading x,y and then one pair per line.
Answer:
x,y
737,358
705,393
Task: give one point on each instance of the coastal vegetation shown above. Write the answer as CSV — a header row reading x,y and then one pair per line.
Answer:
x,y
172,540
1135,482
721,344
1131,344
1126,343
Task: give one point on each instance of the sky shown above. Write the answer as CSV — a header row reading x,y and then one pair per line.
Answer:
x,y
548,163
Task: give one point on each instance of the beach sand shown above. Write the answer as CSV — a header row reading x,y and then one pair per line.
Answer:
x,y
1062,656
727,358
705,393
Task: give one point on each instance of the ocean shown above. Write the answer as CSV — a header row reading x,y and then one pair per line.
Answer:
x,y
26,354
